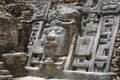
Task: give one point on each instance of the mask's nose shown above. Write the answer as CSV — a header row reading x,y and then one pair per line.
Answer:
x,y
51,35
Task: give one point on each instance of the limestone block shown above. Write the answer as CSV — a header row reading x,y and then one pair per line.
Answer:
x,y
15,63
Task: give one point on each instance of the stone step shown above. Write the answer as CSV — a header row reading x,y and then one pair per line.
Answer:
x,y
6,77
33,71
32,68
2,65
35,62
80,75
4,72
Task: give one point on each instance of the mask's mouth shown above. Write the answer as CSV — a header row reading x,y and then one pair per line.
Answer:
x,y
50,48
51,38
50,45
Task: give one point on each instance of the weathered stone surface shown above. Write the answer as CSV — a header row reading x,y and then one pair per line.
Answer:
x,y
115,65
57,38
33,71
15,63
49,68
9,1
16,9
53,41
11,35
14,32
4,73
77,75
55,35
8,32
2,65
36,78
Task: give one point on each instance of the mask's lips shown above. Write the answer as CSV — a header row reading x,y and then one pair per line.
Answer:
x,y
50,48
51,38
50,44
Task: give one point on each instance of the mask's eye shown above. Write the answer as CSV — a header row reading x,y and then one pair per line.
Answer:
x,y
113,1
47,32
58,32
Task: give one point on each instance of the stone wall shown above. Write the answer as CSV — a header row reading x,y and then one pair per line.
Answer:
x,y
15,63
8,32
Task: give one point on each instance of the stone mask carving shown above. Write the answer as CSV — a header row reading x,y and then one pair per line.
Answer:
x,y
55,41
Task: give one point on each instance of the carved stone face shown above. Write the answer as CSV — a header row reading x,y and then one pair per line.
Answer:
x,y
55,37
